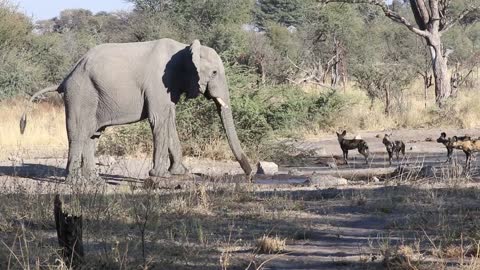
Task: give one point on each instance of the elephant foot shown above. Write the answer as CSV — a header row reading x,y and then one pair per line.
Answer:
x,y
178,169
90,175
159,173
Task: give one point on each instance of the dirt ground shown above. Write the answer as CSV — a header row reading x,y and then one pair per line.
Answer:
x,y
343,227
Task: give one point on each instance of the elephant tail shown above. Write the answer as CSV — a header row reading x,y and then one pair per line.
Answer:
x,y
23,119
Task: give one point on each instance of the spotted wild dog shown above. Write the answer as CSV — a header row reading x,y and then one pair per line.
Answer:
x,y
392,146
349,144
468,147
449,143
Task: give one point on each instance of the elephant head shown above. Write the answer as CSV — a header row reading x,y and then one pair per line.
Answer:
x,y
212,83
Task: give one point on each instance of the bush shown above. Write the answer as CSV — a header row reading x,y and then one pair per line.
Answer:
x,y
17,75
125,140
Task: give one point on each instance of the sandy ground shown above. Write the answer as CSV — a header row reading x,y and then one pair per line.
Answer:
x,y
340,235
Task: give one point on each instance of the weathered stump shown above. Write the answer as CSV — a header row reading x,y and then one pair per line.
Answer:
x,y
69,233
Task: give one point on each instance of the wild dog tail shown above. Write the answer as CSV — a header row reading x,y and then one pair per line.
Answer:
x,y
23,119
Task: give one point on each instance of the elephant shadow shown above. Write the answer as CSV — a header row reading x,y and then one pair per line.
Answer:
x,y
39,172
51,173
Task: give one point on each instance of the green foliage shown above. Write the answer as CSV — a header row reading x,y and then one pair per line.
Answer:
x,y
284,12
14,26
17,75
127,140
290,109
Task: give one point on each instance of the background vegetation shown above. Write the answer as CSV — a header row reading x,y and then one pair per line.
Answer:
x,y
294,67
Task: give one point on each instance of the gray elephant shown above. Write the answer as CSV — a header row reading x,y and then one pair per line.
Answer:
x,y
116,84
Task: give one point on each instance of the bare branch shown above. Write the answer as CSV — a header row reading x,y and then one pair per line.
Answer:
x,y
455,20
421,13
387,11
295,65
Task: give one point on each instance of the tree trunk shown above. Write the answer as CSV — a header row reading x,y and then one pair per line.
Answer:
x,y
387,100
440,71
69,233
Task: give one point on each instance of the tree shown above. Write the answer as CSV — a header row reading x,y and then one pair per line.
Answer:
x,y
14,26
432,19
283,12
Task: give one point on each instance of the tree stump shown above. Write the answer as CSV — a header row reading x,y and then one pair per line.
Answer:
x,y
69,233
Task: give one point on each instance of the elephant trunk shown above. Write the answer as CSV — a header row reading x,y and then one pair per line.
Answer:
x,y
227,120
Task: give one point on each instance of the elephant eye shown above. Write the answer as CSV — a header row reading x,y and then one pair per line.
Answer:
x,y
214,73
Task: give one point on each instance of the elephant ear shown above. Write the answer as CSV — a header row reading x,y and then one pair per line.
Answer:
x,y
195,51
194,88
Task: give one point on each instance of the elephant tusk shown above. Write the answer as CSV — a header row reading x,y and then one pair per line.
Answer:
x,y
221,102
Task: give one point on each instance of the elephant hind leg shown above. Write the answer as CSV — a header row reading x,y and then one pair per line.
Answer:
x,y
81,145
75,147
88,158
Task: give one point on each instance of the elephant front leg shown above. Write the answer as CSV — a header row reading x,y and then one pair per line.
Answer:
x,y
174,147
160,148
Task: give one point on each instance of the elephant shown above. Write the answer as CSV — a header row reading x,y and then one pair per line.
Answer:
x,y
122,83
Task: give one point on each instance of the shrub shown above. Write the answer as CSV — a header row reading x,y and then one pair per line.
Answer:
x,y
124,140
17,75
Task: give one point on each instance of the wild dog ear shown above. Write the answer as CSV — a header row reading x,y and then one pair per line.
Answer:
x,y
454,138
443,134
344,133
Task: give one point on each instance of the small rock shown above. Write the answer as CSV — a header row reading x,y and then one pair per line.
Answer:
x,y
268,168
428,139
326,181
379,136
106,160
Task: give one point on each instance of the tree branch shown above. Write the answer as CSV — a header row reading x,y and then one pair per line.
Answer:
x,y
420,12
455,20
387,11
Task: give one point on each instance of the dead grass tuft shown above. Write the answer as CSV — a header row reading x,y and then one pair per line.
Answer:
x,y
271,245
401,257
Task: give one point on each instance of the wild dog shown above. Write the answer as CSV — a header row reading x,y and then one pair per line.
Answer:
x,y
468,147
393,147
347,144
449,143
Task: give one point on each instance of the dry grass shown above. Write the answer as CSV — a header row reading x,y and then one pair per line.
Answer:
x,y
45,130
409,110
271,245
210,224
